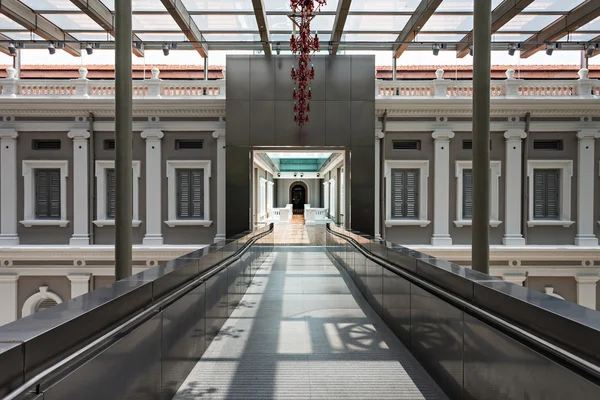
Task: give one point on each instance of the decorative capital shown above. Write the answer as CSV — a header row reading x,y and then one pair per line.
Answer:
x,y
588,134
379,135
587,279
9,278
8,134
219,134
152,134
79,134
515,134
82,278
442,134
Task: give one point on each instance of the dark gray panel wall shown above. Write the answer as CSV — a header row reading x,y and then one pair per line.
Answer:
x,y
260,113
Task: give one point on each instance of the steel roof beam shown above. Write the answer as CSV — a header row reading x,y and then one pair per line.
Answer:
x,y
421,15
263,27
505,12
39,25
4,45
187,25
101,15
578,17
339,23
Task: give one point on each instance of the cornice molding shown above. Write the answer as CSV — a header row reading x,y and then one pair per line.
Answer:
x,y
92,254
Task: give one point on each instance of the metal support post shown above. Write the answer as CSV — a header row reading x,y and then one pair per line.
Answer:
x,y
205,68
481,135
123,139
394,69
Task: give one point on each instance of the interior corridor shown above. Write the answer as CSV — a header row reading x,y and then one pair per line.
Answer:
x,y
302,330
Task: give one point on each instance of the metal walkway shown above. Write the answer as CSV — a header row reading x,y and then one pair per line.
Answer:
x,y
304,331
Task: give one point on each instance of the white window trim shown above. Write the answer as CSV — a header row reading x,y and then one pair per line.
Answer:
x,y
101,167
30,305
496,173
326,196
332,198
270,185
566,175
172,166
423,167
29,192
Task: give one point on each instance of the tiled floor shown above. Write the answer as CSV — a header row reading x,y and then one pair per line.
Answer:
x,y
303,331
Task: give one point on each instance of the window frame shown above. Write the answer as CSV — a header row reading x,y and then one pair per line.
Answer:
x,y
565,195
495,174
423,167
178,172
101,193
28,172
171,170
405,171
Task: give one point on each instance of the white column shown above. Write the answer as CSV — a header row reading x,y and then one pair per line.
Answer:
x,y
586,290
379,135
81,236
221,185
154,179
8,298
441,191
80,284
514,171
585,189
8,188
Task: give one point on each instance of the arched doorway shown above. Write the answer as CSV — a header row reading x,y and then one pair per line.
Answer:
x,y
298,197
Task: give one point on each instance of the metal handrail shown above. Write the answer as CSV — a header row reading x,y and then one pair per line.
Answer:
x,y
520,334
79,357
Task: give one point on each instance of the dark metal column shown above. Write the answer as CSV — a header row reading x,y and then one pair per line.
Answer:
x,y
123,128
482,32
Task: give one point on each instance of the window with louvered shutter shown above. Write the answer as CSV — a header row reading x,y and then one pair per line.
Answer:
x,y
111,197
190,193
467,206
405,194
545,194
47,194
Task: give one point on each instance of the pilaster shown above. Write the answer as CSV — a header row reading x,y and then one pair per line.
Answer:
x,y
585,188
8,191
81,236
8,298
379,135
80,284
221,185
441,212
586,290
154,178
514,171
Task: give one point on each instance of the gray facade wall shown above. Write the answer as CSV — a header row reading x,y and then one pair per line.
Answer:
x,y
30,285
260,113
565,287
25,151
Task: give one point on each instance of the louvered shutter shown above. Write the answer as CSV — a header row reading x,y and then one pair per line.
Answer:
x,y
197,197
111,197
467,194
47,193
405,194
183,193
546,194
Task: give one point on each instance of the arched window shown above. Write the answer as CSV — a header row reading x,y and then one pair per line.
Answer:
x,y
40,301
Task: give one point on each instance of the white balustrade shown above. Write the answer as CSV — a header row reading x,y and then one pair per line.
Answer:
x,y
315,215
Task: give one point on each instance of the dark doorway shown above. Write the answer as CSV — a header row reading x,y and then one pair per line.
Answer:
x,y
298,198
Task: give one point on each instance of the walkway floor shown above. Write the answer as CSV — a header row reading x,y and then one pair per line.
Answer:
x,y
303,331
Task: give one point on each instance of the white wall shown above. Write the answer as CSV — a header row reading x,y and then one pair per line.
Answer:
x,y
283,191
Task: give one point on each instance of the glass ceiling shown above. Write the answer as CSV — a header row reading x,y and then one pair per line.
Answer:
x,y
230,24
298,162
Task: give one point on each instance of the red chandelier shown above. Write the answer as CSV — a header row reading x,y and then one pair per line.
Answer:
x,y
303,45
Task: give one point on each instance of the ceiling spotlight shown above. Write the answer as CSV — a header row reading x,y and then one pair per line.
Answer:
x,y
591,49
174,45
512,48
436,49
89,49
278,48
138,45
330,48
165,49
279,175
549,49
12,49
301,175
471,51
51,48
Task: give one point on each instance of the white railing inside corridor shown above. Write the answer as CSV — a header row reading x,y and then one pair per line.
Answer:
x,y
510,88
314,215
86,88
438,88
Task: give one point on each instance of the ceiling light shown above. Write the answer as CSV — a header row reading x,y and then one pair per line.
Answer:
x,y
591,49
512,48
51,48
89,49
138,45
278,48
436,49
12,49
471,51
549,49
165,49
174,45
